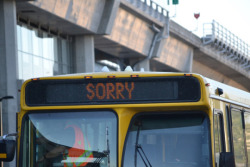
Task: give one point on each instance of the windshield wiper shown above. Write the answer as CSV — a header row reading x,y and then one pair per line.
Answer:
x,y
138,148
142,153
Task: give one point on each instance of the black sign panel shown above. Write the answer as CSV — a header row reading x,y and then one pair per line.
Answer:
x,y
112,91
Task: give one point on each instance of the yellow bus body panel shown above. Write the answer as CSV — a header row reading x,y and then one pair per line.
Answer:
x,y
126,112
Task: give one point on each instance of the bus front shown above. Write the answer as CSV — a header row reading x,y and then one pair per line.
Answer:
x,y
114,120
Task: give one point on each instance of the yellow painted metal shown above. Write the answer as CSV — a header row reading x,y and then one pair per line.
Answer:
x,y
126,112
3,155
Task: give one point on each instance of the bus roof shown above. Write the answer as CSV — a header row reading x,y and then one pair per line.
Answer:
x,y
229,92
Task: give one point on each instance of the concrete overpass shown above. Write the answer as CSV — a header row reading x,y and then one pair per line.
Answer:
x,y
130,32
127,32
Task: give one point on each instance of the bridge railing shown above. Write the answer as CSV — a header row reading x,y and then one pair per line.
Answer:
x,y
151,8
227,43
214,34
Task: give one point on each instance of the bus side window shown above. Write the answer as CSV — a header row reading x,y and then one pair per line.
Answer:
x,y
238,137
247,133
219,139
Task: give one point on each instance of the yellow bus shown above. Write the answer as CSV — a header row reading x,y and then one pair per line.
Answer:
x,y
131,119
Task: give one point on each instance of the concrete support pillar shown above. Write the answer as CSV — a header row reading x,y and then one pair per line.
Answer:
x,y
155,49
159,40
85,54
145,65
189,65
108,16
8,66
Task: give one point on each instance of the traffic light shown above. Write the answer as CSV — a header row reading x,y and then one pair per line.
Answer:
x,y
175,2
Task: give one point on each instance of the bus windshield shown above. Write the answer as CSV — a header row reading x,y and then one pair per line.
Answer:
x,y
77,138
168,140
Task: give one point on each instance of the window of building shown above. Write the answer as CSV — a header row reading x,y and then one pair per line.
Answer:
x,y
40,54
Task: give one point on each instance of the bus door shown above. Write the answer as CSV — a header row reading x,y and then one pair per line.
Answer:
x,y
219,139
238,136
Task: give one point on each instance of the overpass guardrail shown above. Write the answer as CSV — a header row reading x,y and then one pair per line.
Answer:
x,y
214,34
151,8
227,44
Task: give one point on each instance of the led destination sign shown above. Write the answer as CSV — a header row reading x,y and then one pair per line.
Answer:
x,y
109,90
112,91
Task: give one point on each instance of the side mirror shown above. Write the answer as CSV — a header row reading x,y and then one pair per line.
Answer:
x,y
7,148
227,159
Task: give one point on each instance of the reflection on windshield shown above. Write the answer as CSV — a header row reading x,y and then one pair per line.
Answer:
x,y
70,139
168,141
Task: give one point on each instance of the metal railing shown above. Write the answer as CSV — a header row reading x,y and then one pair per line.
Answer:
x,y
151,8
213,33
227,43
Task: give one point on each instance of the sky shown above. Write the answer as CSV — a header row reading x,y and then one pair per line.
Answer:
x,y
231,14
